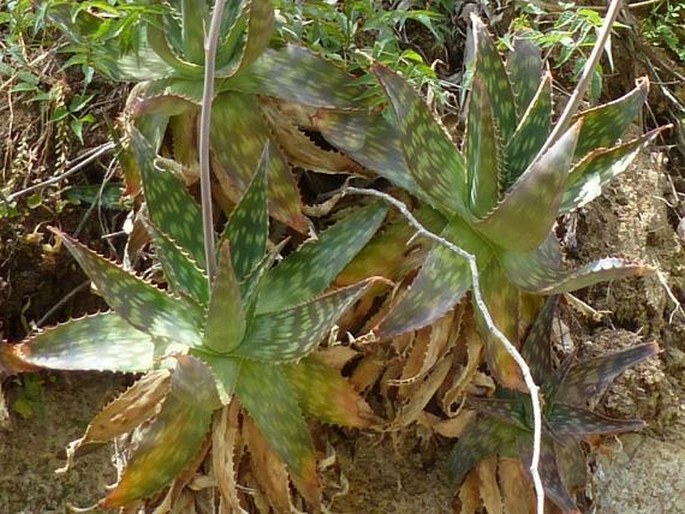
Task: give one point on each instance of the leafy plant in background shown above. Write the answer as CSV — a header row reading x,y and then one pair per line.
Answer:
x,y
500,195
505,425
664,27
248,337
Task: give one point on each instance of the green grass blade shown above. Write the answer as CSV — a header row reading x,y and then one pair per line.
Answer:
x,y
103,342
323,394
173,438
313,267
524,218
248,225
290,334
171,207
269,399
541,271
524,68
298,75
239,135
603,125
141,304
226,321
483,151
598,168
433,159
530,134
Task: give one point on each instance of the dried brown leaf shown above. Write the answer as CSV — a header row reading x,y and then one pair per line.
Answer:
x,y
489,488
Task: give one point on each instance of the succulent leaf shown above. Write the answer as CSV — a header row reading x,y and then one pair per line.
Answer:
x,y
536,350
141,304
590,175
508,411
554,486
313,267
157,39
248,223
483,151
533,201
488,65
524,68
577,422
226,317
238,137
323,394
194,19
571,464
433,160
269,398
104,342
171,207
530,134
603,125
540,271
323,85
173,438
593,377
226,370
290,334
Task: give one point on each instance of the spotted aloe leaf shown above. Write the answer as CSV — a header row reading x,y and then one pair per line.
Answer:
x,y
278,73
248,222
170,206
226,370
312,268
323,394
483,151
226,317
99,342
238,136
533,201
431,156
531,133
537,354
598,168
488,65
524,68
579,422
194,20
141,304
603,125
269,398
157,39
541,271
173,438
290,334
594,376
552,481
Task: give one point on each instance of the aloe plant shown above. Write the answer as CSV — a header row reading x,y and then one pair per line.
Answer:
x,y
505,424
501,193
249,336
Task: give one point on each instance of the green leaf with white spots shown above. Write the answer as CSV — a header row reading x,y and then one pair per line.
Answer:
x,y
541,270
277,73
323,394
226,370
248,224
489,66
473,446
554,486
269,399
250,286
103,342
571,464
603,125
431,156
194,21
290,334
591,378
524,68
173,438
576,422
171,207
238,135
508,411
536,350
141,304
598,168
157,39
483,151
371,141
313,267
524,218
226,321
530,134
180,269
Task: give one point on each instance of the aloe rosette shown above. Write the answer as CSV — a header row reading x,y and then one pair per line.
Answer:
x,y
505,423
249,336
501,193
